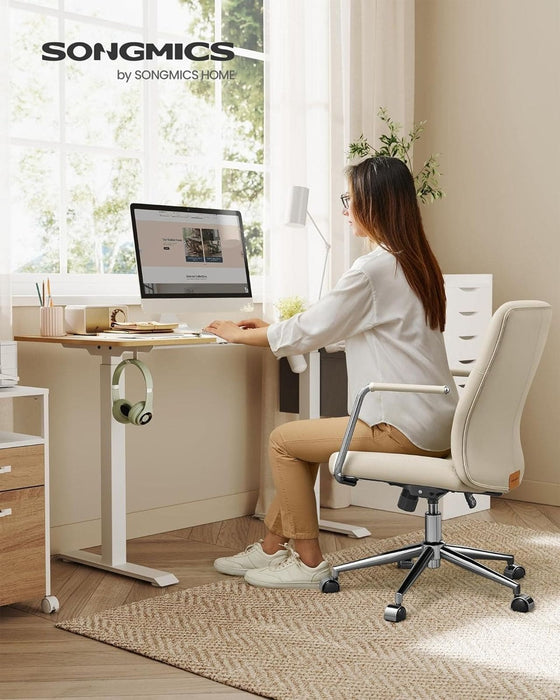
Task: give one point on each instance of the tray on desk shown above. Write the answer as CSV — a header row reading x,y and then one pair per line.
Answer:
x,y
142,327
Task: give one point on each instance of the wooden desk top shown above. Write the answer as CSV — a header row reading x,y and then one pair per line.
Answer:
x,y
118,340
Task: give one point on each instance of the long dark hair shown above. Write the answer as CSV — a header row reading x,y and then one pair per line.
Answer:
x,y
384,203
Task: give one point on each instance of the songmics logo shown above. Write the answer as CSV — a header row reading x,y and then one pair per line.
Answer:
x,y
136,51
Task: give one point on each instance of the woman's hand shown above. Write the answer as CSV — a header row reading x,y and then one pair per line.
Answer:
x,y
253,323
249,332
228,330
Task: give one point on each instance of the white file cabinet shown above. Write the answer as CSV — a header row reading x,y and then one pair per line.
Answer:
x,y
469,310
24,510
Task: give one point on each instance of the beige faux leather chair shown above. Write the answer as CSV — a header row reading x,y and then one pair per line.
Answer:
x,y
486,455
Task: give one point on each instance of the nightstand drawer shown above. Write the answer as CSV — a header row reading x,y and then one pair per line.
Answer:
x,y
22,544
21,467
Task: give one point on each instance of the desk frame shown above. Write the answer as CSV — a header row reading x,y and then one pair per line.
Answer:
x,y
113,453
113,448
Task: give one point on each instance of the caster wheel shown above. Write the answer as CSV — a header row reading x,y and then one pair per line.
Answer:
x,y
394,613
522,603
331,585
514,571
50,604
405,564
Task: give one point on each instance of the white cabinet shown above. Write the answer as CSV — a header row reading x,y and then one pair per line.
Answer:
x,y
469,310
24,510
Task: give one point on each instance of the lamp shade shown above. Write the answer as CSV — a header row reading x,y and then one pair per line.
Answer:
x,y
297,212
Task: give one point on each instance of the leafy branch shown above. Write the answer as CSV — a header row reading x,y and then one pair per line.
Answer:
x,y
393,145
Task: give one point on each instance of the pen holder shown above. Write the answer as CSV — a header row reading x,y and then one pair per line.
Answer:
x,y
52,320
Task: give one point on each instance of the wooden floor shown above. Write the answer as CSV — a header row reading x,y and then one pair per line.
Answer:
x,y
39,661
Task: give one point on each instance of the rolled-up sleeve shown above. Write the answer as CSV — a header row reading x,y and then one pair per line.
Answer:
x,y
346,310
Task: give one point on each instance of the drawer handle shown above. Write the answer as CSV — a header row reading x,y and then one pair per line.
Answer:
x,y
5,512
466,362
6,470
468,313
467,337
468,289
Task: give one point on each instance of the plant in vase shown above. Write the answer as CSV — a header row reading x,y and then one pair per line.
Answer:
x,y
288,307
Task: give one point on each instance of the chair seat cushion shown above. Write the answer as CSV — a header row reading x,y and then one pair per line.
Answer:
x,y
404,469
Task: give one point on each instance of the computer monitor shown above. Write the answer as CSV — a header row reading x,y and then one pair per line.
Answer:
x,y
189,259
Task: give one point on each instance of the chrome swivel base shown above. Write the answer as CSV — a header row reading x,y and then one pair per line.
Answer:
x,y
428,554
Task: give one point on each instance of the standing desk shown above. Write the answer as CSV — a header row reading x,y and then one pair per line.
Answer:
x,y
113,449
110,348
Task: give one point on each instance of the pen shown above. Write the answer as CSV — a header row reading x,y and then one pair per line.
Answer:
x,y
39,293
49,292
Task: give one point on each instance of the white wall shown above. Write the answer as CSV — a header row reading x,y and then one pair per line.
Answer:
x,y
487,81
196,462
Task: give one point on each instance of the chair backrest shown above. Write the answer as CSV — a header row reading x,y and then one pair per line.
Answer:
x,y
485,437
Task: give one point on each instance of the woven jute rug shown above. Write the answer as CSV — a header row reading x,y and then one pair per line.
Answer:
x,y
460,638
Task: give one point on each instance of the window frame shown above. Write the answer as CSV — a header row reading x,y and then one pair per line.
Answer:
x,y
72,288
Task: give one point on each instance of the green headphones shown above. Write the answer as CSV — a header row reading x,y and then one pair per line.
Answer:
x,y
123,411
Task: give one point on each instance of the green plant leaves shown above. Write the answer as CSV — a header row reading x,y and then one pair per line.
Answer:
x,y
395,145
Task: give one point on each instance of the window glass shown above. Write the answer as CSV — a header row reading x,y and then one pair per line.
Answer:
x,y
100,190
43,3
99,109
244,190
188,122
196,17
34,94
179,17
188,185
126,11
242,23
34,209
243,105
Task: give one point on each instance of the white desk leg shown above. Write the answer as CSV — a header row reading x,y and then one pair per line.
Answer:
x,y
113,492
310,407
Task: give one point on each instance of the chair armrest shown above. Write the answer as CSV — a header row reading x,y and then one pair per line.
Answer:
x,y
374,386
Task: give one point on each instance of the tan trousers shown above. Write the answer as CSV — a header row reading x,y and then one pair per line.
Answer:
x,y
296,449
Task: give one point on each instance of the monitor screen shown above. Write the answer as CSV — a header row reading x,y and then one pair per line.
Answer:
x,y
189,252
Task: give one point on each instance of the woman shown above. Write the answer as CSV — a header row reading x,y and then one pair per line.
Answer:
x,y
390,309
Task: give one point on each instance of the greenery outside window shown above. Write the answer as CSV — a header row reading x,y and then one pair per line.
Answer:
x,y
84,142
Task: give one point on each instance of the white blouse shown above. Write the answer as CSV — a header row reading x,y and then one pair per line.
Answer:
x,y
382,321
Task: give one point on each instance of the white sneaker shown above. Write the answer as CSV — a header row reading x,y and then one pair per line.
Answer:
x,y
290,572
254,557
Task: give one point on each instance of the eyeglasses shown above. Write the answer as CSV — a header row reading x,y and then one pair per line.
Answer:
x,y
345,199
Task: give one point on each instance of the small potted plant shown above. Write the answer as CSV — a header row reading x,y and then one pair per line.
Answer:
x,y
289,306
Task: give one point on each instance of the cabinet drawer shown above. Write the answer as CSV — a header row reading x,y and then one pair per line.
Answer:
x,y
21,467
466,322
469,299
462,348
22,545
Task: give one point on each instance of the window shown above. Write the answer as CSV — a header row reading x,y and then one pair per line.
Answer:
x,y
87,136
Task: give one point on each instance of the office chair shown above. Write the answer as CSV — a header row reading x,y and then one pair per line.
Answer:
x,y
486,455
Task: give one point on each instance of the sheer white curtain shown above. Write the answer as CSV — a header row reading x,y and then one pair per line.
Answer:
x,y
331,65
5,288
